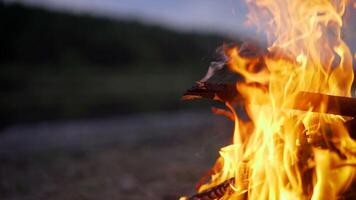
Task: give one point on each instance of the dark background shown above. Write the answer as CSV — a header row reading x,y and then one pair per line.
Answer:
x,y
90,107
59,66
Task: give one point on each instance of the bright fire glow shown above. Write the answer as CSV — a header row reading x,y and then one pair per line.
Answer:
x,y
273,157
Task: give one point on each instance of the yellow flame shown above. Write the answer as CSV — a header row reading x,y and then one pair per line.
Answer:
x,y
275,157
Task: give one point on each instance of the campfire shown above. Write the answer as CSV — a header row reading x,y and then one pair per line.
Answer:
x,y
291,104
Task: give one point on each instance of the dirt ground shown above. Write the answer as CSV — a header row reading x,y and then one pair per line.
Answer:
x,y
165,167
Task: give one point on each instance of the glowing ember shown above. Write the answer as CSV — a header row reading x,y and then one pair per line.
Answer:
x,y
272,156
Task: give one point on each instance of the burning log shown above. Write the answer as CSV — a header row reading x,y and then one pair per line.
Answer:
x,y
351,126
221,189
215,192
337,105
215,91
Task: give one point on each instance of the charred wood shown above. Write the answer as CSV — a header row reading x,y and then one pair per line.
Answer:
x,y
214,192
219,92
337,105
351,127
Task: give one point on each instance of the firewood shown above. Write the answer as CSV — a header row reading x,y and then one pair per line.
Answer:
x,y
220,190
351,126
306,101
214,192
219,92
337,105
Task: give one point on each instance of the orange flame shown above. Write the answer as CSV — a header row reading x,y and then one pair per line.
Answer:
x,y
275,158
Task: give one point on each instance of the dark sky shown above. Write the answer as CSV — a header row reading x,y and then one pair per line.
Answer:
x,y
224,16
221,16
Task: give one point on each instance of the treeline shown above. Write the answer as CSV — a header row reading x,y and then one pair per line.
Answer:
x,y
55,65
36,36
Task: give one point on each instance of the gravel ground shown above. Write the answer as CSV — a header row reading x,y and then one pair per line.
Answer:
x,y
154,165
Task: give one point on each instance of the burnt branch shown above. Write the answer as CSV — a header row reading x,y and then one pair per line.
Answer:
x,y
214,192
337,105
219,92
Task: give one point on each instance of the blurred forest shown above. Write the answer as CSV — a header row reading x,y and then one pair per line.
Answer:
x,y
63,66
87,101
